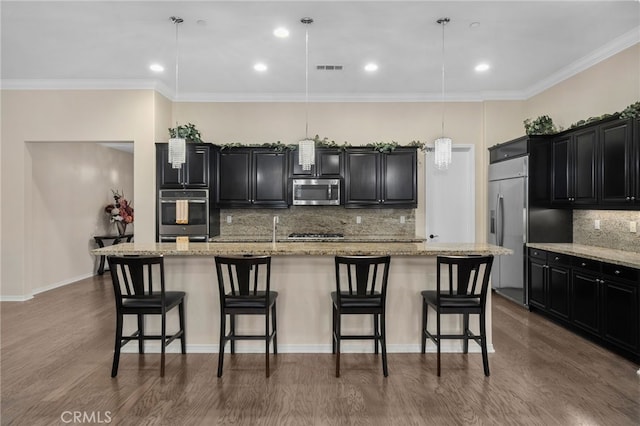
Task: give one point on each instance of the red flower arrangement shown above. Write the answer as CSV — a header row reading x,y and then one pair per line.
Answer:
x,y
120,210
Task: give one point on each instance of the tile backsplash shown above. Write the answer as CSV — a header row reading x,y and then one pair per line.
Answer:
x,y
614,229
318,219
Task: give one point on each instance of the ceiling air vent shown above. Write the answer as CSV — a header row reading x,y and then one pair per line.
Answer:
x,y
329,67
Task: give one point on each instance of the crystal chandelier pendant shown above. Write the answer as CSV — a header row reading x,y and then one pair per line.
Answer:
x,y
442,153
177,152
306,153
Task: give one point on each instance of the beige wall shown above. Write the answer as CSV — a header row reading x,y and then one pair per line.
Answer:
x,y
71,184
142,116
66,116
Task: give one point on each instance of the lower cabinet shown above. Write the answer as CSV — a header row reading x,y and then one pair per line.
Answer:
x,y
597,299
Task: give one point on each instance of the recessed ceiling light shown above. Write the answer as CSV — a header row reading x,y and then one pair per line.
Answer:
x,y
260,67
156,67
482,67
281,32
371,67
474,25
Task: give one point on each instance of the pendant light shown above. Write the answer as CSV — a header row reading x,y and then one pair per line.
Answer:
x,y
443,144
177,145
306,147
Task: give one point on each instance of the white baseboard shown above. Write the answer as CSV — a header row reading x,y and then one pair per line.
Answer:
x,y
174,347
62,283
16,298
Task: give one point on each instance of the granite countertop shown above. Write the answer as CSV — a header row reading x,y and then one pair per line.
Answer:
x,y
284,239
311,248
617,257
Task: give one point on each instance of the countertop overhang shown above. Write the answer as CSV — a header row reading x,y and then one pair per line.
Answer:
x,y
307,248
617,257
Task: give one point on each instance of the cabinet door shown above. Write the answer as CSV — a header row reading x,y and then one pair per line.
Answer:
x,y
167,176
233,180
537,283
620,313
399,178
584,171
269,178
196,173
540,173
616,152
561,182
585,296
329,163
558,290
362,174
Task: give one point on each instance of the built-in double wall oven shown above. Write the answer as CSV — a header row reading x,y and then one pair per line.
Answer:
x,y
183,212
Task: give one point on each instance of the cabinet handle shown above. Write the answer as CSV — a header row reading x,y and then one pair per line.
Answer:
x,y
628,198
616,272
583,264
557,258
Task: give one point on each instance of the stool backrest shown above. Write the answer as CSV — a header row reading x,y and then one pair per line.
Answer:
x,y
133,277
467,276
362,276
241,275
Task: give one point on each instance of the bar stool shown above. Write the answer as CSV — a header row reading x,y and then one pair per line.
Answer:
x,y
466,297
132,278
244,291
361,290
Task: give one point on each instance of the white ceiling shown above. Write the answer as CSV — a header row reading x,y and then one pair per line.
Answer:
x,y
530,45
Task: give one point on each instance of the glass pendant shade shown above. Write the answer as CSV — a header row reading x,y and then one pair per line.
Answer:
x,y
177,152
306,153
442,156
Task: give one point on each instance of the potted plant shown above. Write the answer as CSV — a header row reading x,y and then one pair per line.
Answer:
x,y
187,131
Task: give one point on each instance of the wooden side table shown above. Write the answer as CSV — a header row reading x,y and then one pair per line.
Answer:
x,y
100,239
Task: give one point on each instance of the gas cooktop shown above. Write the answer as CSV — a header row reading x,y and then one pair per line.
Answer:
x,y
314,236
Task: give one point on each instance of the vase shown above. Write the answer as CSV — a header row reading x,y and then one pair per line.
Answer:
x,y
121,227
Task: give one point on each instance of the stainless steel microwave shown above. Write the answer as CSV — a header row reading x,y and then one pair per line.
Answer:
x,y
316,192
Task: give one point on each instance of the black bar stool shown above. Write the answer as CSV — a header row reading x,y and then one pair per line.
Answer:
x,y
361,289
132,278
243,291
465,293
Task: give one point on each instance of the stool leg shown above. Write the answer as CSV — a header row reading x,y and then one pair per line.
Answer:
x,y
483,340
333,325
274,325
163,343
337,335
465,326
266,339
424,326
183,338
438,339
232,324
118,345
376,333
385,371
140,333
223,330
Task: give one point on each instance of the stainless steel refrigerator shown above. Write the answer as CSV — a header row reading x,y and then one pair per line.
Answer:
x,y
513,223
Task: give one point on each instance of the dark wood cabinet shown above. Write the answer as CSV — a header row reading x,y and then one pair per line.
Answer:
x,y
251,177
598,299
375,179
618,163
328,164
549,281
585,300
574,170
194,173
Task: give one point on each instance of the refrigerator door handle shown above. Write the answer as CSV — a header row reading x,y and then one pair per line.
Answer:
x,y
501,219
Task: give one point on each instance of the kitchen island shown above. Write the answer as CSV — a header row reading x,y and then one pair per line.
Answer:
x,y
303,273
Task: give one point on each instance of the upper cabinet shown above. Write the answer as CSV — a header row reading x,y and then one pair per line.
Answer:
x,y
252,177
574,168
619,165
328,164
375,179
194,173
597,166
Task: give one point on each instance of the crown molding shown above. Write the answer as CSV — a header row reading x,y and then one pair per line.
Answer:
x,y
616,46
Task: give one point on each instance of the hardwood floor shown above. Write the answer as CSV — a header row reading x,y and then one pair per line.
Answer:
x,y
57,352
